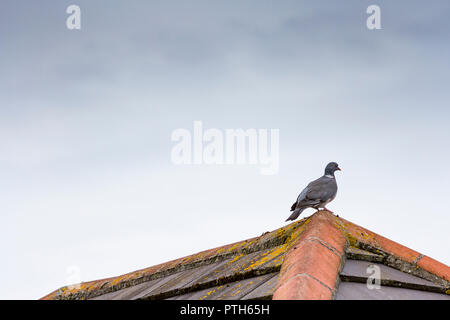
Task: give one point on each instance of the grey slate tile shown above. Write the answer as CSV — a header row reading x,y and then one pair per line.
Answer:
x,y
359,269
359,291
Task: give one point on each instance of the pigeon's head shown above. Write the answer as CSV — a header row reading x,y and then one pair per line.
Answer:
x,y
331,168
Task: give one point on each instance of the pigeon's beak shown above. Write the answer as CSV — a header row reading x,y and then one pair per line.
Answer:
x,y
339,169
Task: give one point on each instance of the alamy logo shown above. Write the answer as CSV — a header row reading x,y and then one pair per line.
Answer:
x,y
374,20
374,280
74,20
229,146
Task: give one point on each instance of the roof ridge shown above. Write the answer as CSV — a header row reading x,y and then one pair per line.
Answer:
x,y
311,268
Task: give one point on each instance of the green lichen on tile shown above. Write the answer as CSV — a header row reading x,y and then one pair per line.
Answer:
x,y
265,257
298,229
211,292
352,241
236,258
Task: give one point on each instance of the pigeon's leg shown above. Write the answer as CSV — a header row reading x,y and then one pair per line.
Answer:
x,y
328,210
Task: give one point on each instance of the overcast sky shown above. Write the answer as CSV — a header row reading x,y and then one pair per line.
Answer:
x,y
86,117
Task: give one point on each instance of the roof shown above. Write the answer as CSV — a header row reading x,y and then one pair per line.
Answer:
x,y
319,257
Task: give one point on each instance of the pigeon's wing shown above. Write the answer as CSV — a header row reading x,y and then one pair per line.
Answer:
x,y
321,189
303,200
316,192
302,194
300,197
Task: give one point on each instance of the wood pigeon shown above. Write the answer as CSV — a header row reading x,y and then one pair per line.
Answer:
x,y
318,193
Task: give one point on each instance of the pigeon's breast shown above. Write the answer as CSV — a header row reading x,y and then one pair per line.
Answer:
x,y
332,191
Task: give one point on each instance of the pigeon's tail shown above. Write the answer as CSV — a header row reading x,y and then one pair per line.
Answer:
x,y
295,214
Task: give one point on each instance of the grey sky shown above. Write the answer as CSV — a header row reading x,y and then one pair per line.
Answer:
x,y
86,117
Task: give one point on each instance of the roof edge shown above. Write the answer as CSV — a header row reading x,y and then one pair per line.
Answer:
x,y
86,290
397,255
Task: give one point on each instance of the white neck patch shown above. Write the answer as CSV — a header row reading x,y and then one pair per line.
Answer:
x,y
329,176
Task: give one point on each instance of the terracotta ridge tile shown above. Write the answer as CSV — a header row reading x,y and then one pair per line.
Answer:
x,y
318,253
418,258
314,278
435,267
303,287
309,276
325,244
